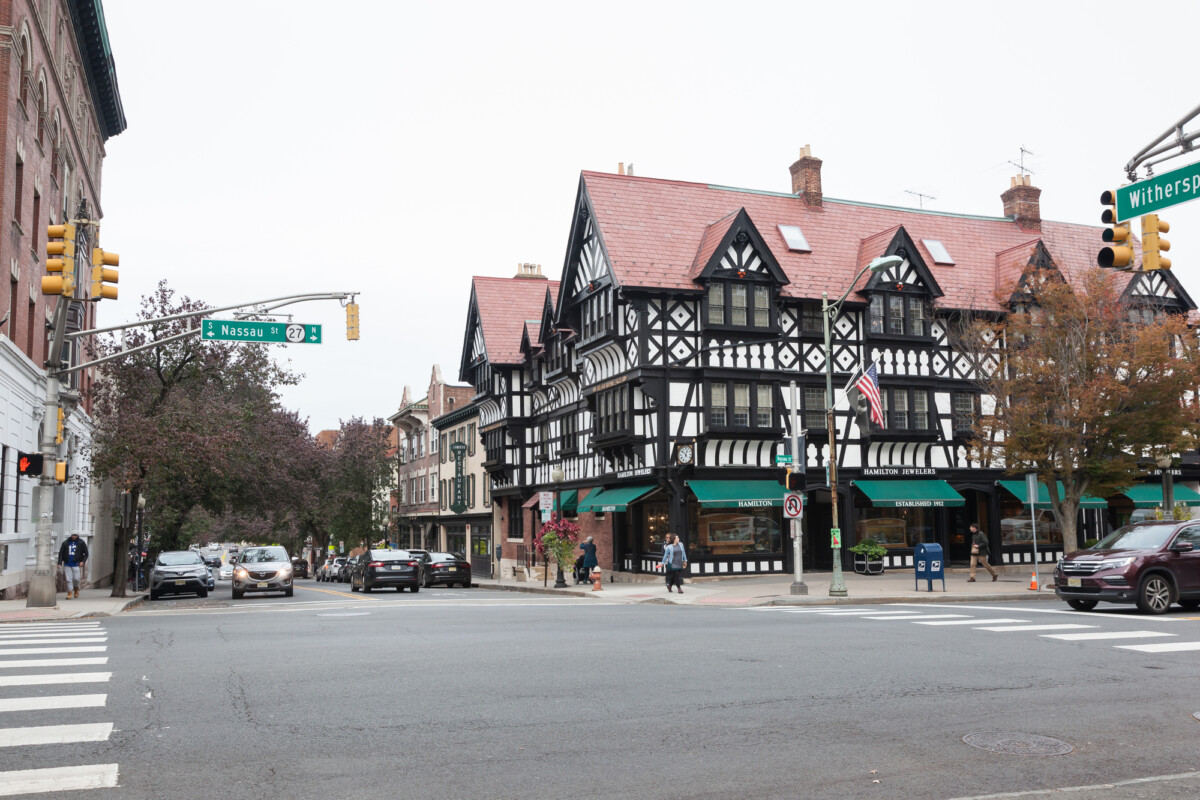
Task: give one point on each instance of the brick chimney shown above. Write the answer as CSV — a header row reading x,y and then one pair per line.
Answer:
x,y
806,177
530,272
1022,203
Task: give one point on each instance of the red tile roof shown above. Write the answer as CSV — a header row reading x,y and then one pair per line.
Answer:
x,y
505,304
654,231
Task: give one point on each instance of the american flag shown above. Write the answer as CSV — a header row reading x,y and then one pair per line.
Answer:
x,y
868,386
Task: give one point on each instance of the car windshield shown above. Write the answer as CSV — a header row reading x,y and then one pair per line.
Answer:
x,y
443,556
1142,537
263,555
179,559
389,555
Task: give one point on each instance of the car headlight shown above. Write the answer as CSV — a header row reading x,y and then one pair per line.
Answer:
x,y
241,573
1115,563
285,572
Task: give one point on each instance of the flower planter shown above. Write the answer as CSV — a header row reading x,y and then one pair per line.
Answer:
x,y
865,566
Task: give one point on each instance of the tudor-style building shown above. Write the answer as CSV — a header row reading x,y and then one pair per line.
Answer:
x,y
653,379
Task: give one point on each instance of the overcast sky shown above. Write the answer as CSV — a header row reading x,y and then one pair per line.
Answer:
x,y
398,148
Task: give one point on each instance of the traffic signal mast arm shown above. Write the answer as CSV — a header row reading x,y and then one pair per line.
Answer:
x,y
257,307
1183,143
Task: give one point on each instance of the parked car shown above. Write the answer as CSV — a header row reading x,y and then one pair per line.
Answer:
x,y
378,569
343,573
329,569
179,572
1153,564
262,569
446,568
299,568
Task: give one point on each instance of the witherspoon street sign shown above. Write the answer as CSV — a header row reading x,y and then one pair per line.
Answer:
x,y
225,330
1162,191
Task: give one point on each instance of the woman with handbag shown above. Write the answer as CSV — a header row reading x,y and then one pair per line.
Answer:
x,y
979,552
674,560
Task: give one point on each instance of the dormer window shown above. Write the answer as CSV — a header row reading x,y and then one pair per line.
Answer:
x,y
738,304
896,314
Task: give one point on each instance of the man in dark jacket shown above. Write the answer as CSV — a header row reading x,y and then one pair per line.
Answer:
x,y
71,557
979,552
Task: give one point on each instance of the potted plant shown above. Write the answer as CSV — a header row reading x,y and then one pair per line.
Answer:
x,y
557,541
868,557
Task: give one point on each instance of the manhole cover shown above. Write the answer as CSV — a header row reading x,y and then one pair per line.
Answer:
x,y
1018,744
346,614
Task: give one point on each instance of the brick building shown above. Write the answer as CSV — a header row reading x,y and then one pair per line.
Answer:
x,y
60,105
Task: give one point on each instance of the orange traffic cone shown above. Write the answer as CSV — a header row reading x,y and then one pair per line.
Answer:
x,y
1033,587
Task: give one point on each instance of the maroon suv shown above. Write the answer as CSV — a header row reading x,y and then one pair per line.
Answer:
x,y
1153,564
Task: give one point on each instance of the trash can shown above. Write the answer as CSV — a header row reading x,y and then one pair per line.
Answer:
x,y
928,565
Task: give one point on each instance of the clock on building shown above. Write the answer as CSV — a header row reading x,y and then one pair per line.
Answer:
x,y
684,454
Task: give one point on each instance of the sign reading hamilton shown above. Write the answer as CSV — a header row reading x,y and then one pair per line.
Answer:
x,y
458,498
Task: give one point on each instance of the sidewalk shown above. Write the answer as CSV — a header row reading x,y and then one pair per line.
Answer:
x,y
894,586
91,603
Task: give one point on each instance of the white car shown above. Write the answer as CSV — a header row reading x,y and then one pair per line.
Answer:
x,y
226,572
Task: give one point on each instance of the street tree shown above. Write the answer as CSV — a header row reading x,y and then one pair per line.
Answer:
x,y
191,423
356,480
1079,392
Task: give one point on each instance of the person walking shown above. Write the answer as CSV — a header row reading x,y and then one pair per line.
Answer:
x,y
589,560
71,557
979,552
674,561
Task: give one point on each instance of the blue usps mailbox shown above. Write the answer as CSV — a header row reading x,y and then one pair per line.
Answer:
x,y
929,565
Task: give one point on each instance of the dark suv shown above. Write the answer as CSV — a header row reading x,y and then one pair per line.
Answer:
x,y
1153,564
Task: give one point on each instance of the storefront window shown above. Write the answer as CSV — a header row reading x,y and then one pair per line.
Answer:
x,y
1017,526
729,531
456,539
894,527
654,526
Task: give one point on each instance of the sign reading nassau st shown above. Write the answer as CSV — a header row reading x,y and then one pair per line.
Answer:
x,y
240,330
1162,191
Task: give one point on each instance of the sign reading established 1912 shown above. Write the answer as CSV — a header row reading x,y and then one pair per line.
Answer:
x,y
241,330
1162,191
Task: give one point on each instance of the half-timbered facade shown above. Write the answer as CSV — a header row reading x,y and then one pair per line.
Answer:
x,y
654,381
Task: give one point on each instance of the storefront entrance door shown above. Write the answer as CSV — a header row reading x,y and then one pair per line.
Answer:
x,y
481,551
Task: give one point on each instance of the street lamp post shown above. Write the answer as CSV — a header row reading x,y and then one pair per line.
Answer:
x,y
557,476
829,311
1168,486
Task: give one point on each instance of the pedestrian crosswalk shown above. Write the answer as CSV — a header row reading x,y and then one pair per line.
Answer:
x,y
989,621
42,673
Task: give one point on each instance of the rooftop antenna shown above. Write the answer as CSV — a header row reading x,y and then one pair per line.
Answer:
x,y
1024,169
920,197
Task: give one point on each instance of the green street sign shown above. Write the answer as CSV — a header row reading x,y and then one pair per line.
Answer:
x,y
240,330
1162,191
782,458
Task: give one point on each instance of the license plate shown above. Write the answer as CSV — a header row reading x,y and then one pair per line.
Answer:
x,y
1075,582
262,586
180,583
452,569
396,567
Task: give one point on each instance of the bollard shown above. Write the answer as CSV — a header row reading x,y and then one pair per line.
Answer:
x,y
597,575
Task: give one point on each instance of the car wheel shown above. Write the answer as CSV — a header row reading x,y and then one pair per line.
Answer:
x,y
154,595
1190,605
288,592
467,585
203,593
414,588
366,589
238,595
1082,605
1154,595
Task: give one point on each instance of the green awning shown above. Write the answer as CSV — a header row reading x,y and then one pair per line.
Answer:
x,y
1017,488
569,499
616,498
738,494
910,494
1149,495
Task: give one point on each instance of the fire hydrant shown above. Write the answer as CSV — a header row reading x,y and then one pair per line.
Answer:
x,y
596,577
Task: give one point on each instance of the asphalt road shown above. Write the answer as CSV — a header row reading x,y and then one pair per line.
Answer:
x,y
454,693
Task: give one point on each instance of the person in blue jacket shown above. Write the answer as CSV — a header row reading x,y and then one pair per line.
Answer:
x,y
674,561
71,557
589,558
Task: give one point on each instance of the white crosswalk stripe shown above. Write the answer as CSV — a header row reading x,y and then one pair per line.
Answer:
x,y
75,713
1164,647
1104,635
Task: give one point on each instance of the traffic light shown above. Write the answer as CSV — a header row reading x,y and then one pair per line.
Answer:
x,y
352,322
1153,244
1119,253
101,275
60,471
794,481
29,464
60,258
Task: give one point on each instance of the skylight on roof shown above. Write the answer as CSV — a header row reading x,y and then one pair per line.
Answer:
x,y
795,239
938,250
